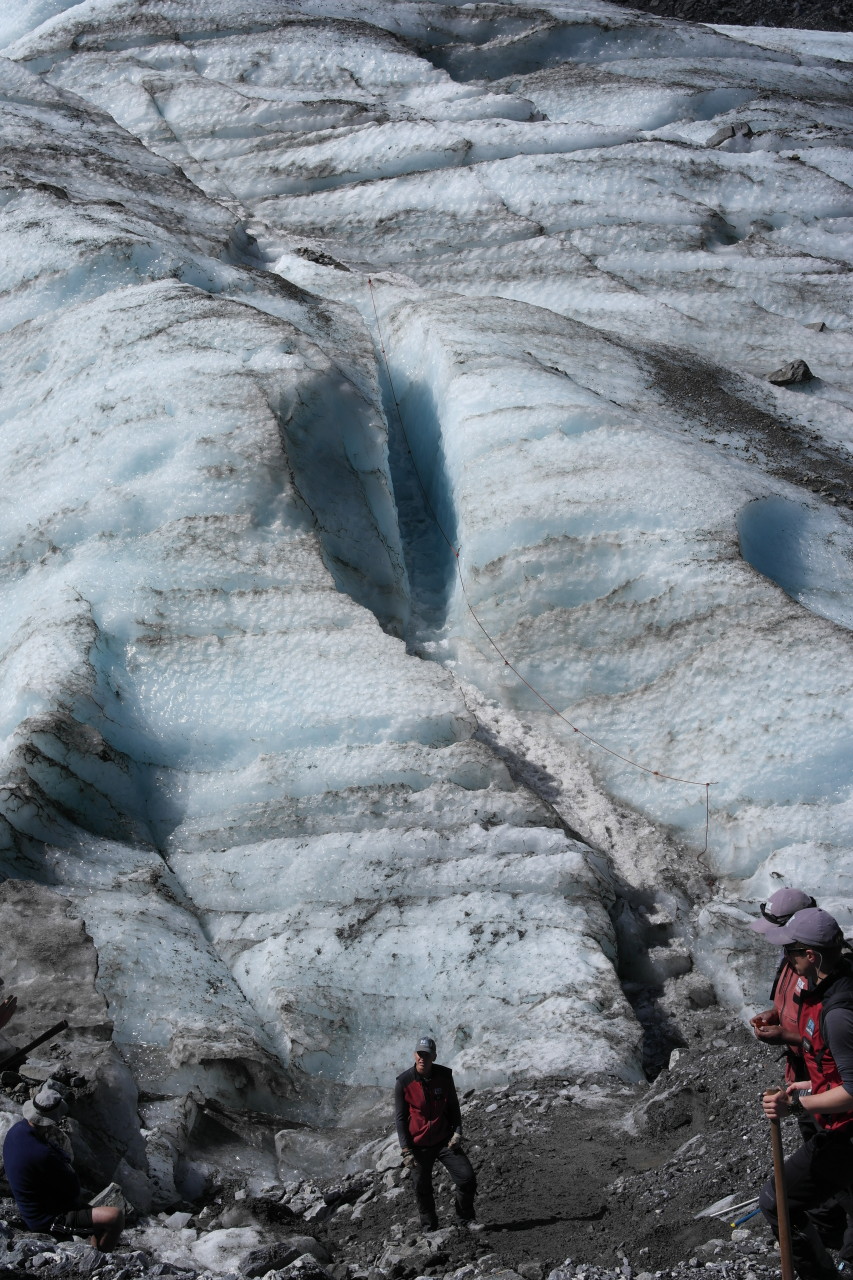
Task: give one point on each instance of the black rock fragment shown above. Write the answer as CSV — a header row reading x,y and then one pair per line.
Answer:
x,y
729,131
280,1254
270,1257
790,374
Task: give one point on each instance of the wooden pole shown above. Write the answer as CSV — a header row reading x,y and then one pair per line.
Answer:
x,y
785,1255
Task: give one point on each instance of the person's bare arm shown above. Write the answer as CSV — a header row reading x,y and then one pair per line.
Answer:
x,y
777,1105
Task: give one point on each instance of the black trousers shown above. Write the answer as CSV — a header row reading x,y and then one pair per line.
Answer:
x,y
461,1171
821,1169
834,1219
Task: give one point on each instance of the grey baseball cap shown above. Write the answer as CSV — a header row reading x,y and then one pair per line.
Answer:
x,y
812,927
779,908
426,1045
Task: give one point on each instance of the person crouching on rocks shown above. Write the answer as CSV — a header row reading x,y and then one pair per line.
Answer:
x,y
429,1128
823,1166
37,1164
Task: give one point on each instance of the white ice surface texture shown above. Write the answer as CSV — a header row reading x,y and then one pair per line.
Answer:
x,y
455,924
600,549
203,512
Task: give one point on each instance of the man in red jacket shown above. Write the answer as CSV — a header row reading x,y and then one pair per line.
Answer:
x,y
429,1128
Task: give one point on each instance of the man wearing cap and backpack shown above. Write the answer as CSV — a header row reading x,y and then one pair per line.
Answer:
x,y
37,1164
429,1128
823,1166
778,1024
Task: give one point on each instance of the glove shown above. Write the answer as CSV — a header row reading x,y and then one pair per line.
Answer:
x,y
455,1141
408,1157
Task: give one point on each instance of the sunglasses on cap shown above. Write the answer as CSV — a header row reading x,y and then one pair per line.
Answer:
x,y
769,916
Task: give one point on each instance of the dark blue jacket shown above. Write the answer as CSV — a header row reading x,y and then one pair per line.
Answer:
x,y
41,1177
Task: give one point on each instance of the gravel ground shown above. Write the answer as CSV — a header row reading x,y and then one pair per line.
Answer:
x,y
569,1169
579,1180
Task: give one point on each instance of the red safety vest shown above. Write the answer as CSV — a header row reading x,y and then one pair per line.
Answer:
x,y
835,991
786,1001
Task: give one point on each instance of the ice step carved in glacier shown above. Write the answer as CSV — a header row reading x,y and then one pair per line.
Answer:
x,y
442,928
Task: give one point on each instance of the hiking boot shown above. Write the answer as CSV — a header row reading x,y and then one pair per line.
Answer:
x,y
814,1270
429,1222
844,1269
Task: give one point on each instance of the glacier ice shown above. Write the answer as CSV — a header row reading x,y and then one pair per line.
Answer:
x,y
252,730
204,541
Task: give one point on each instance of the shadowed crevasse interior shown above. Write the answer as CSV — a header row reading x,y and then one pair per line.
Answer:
x,y
806,551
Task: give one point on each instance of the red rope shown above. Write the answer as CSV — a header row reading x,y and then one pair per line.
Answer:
x,y
654,773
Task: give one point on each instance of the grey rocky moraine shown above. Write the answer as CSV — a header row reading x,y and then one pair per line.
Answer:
x,y
819,15
580,1179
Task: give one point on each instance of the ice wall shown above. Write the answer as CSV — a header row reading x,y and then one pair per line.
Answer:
x,y
290,851
590,236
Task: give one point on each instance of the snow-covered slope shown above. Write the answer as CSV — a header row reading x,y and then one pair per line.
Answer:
x,y
251,722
